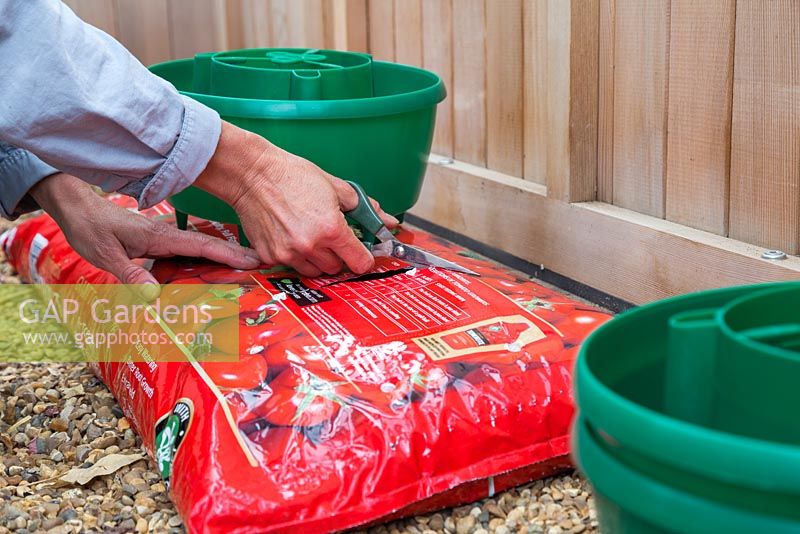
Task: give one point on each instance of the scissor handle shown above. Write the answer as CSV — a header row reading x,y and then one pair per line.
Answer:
x,y
364,214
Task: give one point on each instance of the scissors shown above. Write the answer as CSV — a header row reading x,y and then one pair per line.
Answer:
x,y
389,247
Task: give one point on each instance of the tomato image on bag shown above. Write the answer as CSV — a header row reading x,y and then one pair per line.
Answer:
x,y
353,399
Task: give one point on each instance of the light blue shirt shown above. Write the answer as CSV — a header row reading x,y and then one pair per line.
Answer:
x,y
76,100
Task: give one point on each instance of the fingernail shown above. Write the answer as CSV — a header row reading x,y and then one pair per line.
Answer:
x,y
252,262
150,291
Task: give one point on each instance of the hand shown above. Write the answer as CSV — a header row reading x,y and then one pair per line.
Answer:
x,y
291,210
109,236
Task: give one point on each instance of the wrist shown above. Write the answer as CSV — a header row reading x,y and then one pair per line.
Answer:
x,y
60,192
240,164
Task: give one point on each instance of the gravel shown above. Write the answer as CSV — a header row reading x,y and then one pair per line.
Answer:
x,y
55,417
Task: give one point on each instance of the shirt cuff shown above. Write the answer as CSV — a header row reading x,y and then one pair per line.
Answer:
x,y
196,144
20,170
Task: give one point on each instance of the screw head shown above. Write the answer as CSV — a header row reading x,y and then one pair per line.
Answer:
x,y
773,255
399,251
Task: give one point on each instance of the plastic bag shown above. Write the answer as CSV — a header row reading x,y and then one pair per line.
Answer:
x,y
354,400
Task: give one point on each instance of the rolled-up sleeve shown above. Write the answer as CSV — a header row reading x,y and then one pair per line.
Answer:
x,y
76,98
19,171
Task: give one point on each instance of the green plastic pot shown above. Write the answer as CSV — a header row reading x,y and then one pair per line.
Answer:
x,y
658,466
381,142
630,501
284,74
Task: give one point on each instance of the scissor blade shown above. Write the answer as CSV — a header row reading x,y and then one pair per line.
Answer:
x,y
420,257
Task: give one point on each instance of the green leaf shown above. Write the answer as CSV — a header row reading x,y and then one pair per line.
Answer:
x,y
261,319
231,294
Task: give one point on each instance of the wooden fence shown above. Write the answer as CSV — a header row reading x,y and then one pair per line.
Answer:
x,y
686,111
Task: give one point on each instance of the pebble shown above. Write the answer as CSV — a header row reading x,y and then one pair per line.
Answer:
x,y
465,524
59,425
104,441
15,470
82,452
496,522
436,522
57,440
68,513
50,508
495,510
12,512
93,432
514,518
52,522
73,391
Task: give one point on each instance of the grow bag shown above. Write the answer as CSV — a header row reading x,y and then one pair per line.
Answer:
x,y
379,397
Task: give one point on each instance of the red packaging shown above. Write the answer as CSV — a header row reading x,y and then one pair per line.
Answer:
x,y
354,400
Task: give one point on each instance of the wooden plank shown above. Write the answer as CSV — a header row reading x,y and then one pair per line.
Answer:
x,y
640,104
408,32
572,99
99,13
346,25
437,56
635,257
504,108
605,96
297,23
143,28
469,81
255,25
307,19
539,60
381,29
581,184
699,117
234,24
560,127
280,34
765,144
196,26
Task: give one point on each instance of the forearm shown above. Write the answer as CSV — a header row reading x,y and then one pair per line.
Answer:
x,y
19,172
244,155
60,193
84,105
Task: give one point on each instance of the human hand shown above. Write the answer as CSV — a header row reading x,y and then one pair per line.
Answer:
x,y
291,210
109,236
